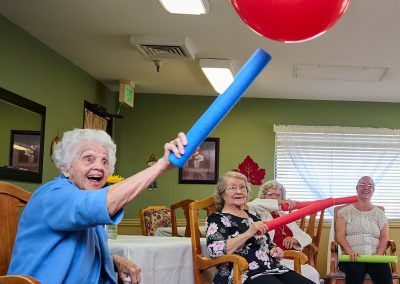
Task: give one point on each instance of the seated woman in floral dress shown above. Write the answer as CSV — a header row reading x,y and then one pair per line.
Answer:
x,y
235,230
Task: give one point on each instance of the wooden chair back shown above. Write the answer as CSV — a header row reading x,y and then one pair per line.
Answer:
x,y
184,205
153,217
12,198
338,277
200,262
307,224
18,279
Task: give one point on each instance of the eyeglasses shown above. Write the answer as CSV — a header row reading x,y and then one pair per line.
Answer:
x,y
369,186
234,188
270,194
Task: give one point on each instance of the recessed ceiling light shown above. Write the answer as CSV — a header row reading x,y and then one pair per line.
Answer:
x,y
338,72
191,7
219,72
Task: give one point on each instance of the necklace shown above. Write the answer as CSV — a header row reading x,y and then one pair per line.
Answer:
x,y
282,228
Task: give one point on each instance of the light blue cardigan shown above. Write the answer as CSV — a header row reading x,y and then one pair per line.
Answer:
x,y
61,238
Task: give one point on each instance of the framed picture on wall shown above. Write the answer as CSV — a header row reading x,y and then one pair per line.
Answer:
x,y
25,150
202,166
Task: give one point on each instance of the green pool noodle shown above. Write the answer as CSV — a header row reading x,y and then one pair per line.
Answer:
x,y
370,258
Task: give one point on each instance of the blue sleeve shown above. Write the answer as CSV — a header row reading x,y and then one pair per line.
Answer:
x,y
68,208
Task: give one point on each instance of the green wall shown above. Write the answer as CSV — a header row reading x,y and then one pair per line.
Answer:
x,y
32,70
246,130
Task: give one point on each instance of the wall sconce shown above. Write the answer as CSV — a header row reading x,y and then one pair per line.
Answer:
x,y
53,145
219,73
152,160
191,7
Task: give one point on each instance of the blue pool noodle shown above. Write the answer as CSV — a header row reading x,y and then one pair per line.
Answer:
x,y
222,105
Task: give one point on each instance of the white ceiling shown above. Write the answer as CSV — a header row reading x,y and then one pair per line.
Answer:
x,y
94,35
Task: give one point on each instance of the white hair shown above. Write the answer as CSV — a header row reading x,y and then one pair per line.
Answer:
x,y
271,184
67,150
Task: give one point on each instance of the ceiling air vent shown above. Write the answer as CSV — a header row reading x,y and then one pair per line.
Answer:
x,y
163,47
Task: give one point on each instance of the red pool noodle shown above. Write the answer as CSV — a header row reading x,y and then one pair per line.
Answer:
x,y
301,204
307,210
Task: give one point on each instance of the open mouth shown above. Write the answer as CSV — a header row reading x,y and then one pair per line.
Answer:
x,y
94,178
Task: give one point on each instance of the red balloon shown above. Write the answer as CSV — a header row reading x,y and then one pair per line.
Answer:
x,y
290,20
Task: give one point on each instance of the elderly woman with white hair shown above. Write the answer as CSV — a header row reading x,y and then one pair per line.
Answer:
x,y
271,196
61,237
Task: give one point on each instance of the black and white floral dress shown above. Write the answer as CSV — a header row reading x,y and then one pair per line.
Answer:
x,y
222,226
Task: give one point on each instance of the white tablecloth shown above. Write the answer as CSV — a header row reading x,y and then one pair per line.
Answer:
x,y
162,260
167,231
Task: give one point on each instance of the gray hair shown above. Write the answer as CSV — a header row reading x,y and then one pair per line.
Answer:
x,y
67,150
271,184
222,184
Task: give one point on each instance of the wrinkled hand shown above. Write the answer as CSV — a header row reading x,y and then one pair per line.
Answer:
x,y
127,270
289,242
176,146
276,252
353,255
258,228
291,203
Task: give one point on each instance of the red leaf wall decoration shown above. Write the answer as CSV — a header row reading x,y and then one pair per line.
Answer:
x,y
251,170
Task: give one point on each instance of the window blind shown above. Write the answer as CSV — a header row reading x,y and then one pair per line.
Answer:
x,y
320,162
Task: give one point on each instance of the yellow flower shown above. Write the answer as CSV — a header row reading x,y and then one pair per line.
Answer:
x,y
114,179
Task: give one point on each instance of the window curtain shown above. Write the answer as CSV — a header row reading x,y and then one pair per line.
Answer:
x,y
317,162
94,121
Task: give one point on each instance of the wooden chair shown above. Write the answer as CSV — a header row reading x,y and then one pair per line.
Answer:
x,y
338,277
308,226
153,217
184,204
201,263
18,279
11,198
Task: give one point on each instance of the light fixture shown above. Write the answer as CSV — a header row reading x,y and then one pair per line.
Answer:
x,y
191,7
219,72
339,72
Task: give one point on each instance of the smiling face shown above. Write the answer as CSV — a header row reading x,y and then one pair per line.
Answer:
x,y
365,188
90,168
273,193
235,193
